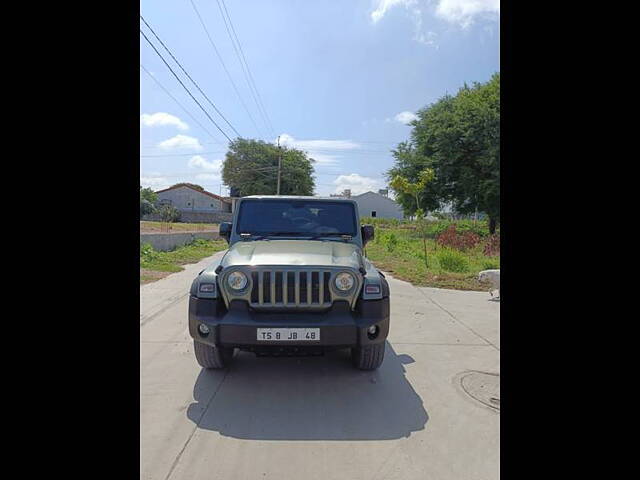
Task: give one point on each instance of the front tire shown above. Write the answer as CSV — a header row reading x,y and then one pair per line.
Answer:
x,y
369,357
212,357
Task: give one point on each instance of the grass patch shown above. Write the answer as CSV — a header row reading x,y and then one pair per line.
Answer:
x,y
399,251
151,227
155,265
452,261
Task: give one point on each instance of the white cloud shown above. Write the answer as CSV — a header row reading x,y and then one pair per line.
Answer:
x,y
382,6
323,151
460,12
212,169
161,119
198,161
181,141
286,139
357,184
405,117
154,182
463,12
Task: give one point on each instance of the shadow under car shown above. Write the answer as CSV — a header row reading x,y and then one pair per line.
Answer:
x,y
308,398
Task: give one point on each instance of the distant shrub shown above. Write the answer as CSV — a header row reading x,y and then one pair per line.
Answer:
x,y
491,264
381,222
452,261
390,241
169,213
451,238
492,246
147,253
462,226
146,207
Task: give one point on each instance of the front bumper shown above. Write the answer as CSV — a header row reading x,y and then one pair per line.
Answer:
x,y
340,327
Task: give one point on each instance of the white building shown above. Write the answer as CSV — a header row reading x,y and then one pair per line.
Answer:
x,y
377,205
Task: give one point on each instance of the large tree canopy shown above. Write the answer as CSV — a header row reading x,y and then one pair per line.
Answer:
x,y
251,166
459,138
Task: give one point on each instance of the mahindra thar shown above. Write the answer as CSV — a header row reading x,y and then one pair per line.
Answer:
x,y
294,281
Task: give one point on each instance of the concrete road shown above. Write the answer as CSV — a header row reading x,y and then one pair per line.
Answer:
x,y
318,418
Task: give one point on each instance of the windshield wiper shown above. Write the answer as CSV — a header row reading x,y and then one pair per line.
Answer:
x,y
253,236
345,236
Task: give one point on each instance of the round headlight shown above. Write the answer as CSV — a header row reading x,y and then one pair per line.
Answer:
x,y
237,280
344,281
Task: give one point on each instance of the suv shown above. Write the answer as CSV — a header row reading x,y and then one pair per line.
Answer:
x,y
294,281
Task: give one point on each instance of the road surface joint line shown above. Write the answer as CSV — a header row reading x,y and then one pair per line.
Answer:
x,y
456,319
184,447
147,318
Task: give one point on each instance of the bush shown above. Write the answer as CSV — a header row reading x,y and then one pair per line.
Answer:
x,y
462,226
147,253
491,264
169,213
492,247
452,261
146,207
390,241
451,238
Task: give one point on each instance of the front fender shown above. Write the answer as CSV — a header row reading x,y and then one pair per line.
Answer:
x,y
208,275
374,277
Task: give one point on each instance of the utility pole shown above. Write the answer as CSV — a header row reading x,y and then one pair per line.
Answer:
x,y
279,166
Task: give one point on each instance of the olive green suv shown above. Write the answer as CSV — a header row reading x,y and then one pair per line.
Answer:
x,y
294,281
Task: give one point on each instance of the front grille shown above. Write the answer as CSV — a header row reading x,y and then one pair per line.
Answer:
x,y
283,288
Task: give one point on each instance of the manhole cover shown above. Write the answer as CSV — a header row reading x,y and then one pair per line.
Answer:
x,y
483,387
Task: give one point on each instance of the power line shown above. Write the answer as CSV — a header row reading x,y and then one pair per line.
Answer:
x,y
188,76
183,85
181,154
179,104
246,71
224,66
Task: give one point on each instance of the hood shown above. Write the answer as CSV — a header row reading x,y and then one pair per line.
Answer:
x,y
294,252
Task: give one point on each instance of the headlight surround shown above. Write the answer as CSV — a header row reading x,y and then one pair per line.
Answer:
x,y
237,281
344,281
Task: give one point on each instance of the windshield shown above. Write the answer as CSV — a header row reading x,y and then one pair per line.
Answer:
x,y
296,218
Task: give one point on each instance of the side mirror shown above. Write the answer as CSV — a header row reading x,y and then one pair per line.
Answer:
x,y
225,230
367,234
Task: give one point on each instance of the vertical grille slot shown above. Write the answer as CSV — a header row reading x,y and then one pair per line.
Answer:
x,y
303,287
266,287
327,292
291,287
279,288
315,287
254,288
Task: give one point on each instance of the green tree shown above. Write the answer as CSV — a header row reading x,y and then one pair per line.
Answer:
x,y
251,166
148,194
147,199
401,185
146,207
185,184
459,138
169,213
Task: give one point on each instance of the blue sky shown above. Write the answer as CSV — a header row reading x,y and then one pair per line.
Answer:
x,y
336,78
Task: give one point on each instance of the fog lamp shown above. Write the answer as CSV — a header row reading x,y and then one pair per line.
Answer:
x,y
204,330
372,332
